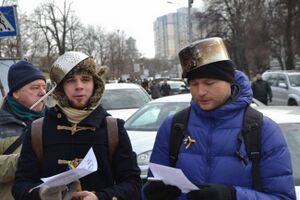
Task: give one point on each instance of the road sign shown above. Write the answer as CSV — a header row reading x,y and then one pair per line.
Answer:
x,y
8,26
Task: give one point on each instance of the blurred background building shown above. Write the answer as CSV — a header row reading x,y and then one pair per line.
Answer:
x,y
171,33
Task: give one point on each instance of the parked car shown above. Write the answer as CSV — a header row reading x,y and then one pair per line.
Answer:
x,y
285,87
143,125
177,86
121,100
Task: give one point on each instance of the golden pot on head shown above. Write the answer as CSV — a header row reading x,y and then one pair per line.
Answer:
x,y
202,52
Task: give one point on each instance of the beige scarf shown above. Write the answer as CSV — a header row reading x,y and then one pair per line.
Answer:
x,y
75,115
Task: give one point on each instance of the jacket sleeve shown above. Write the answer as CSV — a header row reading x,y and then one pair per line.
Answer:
x,y
125,170
28,172
275,167
8,165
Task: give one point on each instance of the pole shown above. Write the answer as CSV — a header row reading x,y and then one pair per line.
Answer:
x,y
190,2
19,40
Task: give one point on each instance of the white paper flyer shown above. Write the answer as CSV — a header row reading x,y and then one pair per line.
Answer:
x,y
172,176
87,166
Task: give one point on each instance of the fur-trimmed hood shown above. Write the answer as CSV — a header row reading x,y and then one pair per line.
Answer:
x,y
87,66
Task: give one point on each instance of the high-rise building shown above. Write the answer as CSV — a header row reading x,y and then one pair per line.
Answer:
x,y
171,33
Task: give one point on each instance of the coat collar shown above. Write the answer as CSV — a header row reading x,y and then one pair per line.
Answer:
x,y
95,119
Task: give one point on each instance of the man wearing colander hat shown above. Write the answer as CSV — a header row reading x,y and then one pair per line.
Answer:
x,y
209,154
70,129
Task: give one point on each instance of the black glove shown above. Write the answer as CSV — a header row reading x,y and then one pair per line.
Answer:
x,y
157,190
270,100
212,192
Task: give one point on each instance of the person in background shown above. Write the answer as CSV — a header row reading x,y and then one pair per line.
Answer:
x,y
154,89
165,88
27,84
210,155
261,89
145,85
74,125
128,80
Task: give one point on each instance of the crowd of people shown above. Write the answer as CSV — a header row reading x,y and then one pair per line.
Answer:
x,y
157,90
38,141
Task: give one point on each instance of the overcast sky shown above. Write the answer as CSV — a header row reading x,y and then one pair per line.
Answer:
x,y
135,17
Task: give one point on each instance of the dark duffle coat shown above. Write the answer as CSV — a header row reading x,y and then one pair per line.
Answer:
x,y
119,178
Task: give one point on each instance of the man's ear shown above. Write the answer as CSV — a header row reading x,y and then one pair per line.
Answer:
x,y
16,95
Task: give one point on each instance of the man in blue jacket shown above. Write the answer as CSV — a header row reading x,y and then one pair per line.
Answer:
x,y
220,96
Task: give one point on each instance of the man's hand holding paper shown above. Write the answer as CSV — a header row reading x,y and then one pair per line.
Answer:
x,y
87,166
172,176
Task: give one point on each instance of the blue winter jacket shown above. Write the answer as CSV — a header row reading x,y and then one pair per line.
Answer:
x,y
212,158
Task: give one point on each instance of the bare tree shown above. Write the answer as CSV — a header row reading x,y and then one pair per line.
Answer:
x,y
257,45
56,24
256,31
284,15
230,17
75,39
96,43
8,47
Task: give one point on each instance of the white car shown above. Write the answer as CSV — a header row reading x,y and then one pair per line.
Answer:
x,y
285,87
143,125
121,100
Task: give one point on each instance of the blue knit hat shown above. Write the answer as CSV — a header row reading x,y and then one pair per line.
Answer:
x,y
22,73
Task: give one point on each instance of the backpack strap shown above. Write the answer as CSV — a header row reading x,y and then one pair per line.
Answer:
x,y
178,131
251,134
14,145
36,137
112,135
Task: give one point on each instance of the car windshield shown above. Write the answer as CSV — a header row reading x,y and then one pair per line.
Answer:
x,y
292,136
294,80
124,99
150,117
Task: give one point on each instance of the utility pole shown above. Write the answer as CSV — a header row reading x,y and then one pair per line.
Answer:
x,y
190,3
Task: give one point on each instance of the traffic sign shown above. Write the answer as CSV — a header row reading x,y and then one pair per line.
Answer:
x,y
8,25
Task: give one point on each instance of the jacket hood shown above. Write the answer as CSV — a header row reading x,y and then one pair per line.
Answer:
x,y
231,107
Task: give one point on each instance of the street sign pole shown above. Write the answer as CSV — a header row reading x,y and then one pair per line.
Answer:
x,y
190,36
19,39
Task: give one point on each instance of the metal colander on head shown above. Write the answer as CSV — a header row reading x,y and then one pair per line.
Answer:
x,y
60,68
64,64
